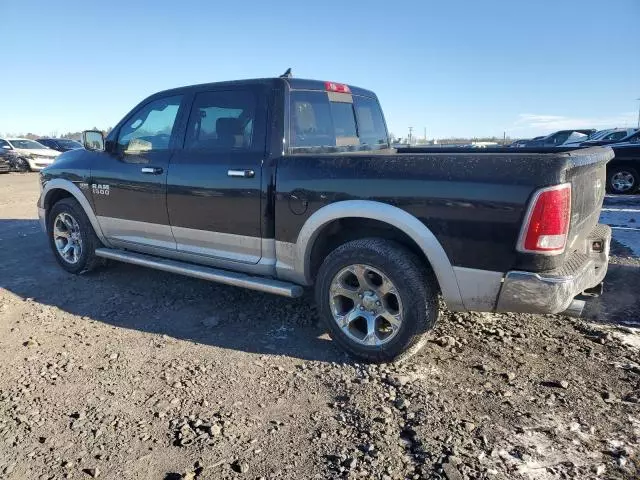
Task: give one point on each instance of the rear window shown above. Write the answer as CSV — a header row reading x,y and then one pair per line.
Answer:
x,y
340,123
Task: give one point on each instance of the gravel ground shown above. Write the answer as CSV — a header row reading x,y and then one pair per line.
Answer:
x,y
130,373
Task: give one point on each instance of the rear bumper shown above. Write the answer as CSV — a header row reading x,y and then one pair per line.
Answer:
x,y
553,291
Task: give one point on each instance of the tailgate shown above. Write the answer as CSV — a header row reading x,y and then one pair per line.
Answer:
x,y
587,174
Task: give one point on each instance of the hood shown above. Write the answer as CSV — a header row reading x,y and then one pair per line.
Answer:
x,y
40,152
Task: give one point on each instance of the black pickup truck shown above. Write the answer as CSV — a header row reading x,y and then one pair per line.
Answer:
x,y
281,184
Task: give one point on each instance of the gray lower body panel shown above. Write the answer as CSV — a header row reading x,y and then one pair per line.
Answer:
x,y
239,248
132,231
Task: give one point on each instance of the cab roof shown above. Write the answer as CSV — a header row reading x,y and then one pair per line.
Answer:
x,y
292,83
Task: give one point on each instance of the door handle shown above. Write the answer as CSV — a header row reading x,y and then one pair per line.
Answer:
x,y
241,173
151,170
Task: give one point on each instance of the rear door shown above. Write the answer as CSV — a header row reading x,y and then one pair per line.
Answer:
x,y
129,183
214,183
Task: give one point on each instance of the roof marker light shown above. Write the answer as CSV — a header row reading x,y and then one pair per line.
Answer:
x,y
336,87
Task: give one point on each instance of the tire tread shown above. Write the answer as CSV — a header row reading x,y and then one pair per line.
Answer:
x,y
90,239
422,299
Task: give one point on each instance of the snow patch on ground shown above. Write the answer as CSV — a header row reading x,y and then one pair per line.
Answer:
x,y
628,336
622,213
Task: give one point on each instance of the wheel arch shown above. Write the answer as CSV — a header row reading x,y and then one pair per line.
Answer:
x,y
57,189
295,261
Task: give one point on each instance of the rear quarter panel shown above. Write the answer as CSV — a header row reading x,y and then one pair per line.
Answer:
x,y
473,203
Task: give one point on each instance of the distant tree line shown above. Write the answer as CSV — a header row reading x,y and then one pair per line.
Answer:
x,y
53,134
450,140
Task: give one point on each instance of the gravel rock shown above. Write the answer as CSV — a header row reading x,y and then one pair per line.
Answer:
x,y
400,380
469,426
350,463
92,472
556,384
451,472
240,467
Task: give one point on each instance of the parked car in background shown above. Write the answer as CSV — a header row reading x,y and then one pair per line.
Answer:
x,y
60,144
634,138
5,166
623,172
37,155
15,161
560,138
611,136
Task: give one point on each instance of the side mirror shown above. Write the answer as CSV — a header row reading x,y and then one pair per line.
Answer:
x,y
93,140
7,147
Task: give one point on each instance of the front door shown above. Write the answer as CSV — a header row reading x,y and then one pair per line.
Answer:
x,y
129,182
214,182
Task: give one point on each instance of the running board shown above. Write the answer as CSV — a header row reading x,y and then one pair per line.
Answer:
x,y
226,277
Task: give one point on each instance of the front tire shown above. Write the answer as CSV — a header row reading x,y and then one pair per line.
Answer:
x,y
22,165
377,299
71,237
622,180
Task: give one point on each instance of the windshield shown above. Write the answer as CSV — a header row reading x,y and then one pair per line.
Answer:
x,y
69,143
598,134
30,144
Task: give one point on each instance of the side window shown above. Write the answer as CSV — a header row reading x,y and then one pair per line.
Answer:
x,y
4,144
616,136
371,127
222,121
321,123
311,122
318,122
557,139
149,128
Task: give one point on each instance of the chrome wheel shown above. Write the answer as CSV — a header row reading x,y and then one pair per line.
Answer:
x,y
67,238
366,305
623,181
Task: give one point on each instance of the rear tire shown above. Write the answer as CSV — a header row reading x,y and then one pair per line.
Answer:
x,y
390,299
71,237
622,180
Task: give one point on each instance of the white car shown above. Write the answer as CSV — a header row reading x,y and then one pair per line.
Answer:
x,y
35,153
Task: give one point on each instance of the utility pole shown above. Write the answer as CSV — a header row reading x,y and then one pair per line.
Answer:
x,y
504,138
410,130
425,134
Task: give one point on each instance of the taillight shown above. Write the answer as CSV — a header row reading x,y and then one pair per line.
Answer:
x,y
546,225
336,87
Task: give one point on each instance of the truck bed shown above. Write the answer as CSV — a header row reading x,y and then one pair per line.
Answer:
x,y
473,200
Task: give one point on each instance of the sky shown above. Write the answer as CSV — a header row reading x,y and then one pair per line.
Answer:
x,y
453,67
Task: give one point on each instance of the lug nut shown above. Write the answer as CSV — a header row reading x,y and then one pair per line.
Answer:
x,y
378,303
